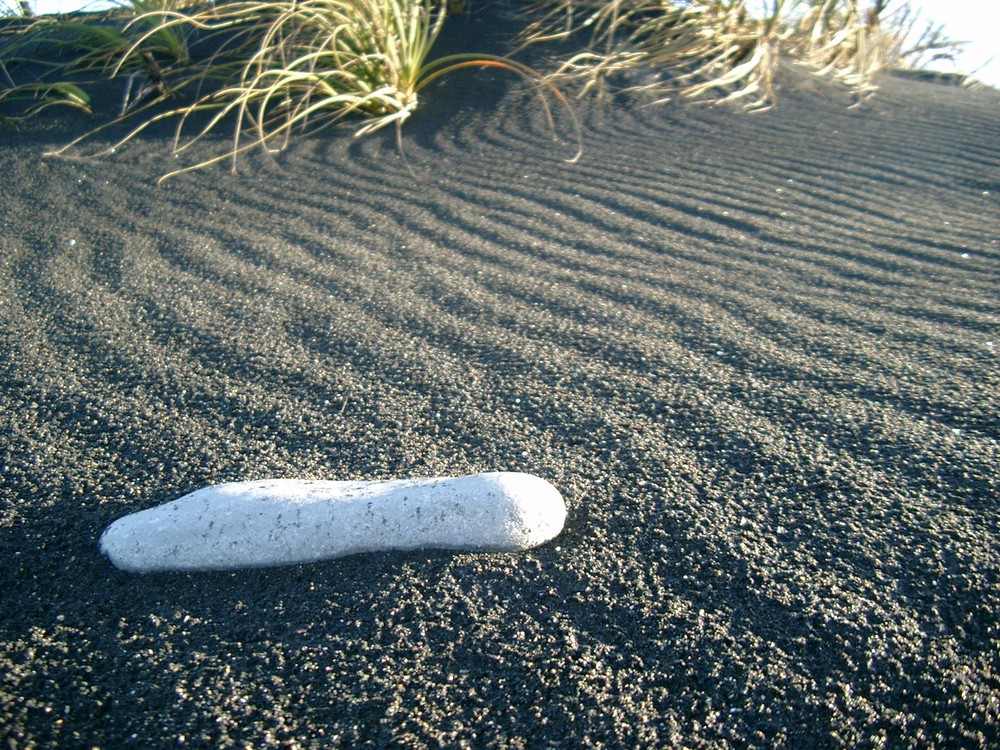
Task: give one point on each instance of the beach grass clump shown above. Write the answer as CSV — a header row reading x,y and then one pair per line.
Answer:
x,y
65,54
735,54
854,40
715,47
728,50
295,66
843,38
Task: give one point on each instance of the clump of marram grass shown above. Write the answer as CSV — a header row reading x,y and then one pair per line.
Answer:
x,y
741,57
839,37
714,47
853,41
65,53
724,50
297,66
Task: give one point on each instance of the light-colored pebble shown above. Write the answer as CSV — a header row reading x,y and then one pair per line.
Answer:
x,y
290,521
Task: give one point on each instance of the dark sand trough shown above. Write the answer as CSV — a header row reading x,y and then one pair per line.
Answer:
x,y
758,355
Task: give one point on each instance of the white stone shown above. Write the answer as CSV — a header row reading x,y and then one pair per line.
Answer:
x,y
290,521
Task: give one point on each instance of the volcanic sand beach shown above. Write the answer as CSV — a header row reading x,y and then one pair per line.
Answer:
x,y
758,354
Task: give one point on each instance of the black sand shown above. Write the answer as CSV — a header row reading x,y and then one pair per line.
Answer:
x,y
758,355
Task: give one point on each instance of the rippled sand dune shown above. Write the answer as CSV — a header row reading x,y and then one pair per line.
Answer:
x,y
756,353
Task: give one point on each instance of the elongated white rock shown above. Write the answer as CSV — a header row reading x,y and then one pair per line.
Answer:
x,y
289,521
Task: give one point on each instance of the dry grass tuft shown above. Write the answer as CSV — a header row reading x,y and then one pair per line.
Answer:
x,y
714,47
728,50
853,41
